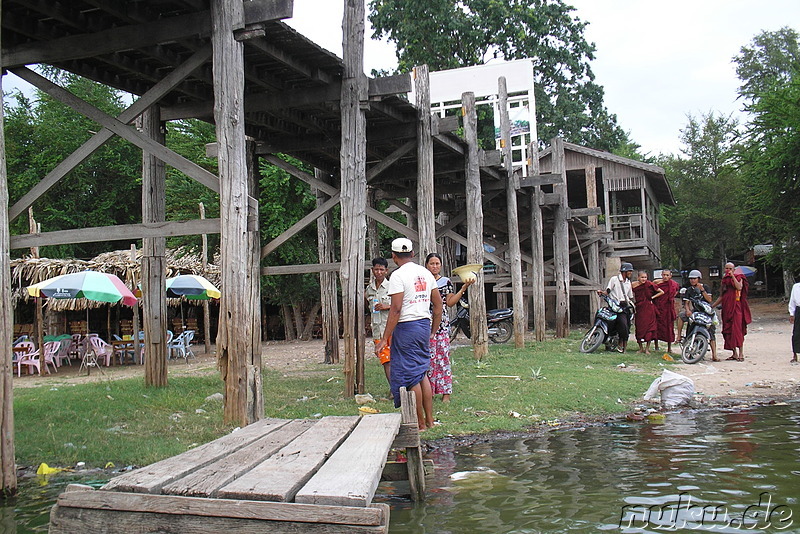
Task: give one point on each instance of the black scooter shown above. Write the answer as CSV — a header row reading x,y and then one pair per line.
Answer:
x,y
695,344
604,329
500,321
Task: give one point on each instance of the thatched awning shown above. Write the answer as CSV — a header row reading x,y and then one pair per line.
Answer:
x,y
28,271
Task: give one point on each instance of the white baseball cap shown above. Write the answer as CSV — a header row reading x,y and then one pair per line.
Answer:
x,y
402,244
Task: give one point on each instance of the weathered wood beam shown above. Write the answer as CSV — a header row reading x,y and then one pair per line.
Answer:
x,y
353,155
238,356
561,240
96,141
584,212
387,162
154,262
137,35
512,185
116,233
8,469
299,225
475,249
537,265
540,179
378,87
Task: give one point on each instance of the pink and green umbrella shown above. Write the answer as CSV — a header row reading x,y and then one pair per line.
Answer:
x,y
101,287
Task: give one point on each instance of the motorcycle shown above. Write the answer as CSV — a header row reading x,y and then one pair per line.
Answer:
x,y
604,329
500,322
695,344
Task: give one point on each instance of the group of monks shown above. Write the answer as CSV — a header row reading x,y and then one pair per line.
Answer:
x,y
656,312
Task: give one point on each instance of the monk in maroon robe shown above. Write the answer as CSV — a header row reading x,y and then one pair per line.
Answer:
x,y
735,311
665,308
644,292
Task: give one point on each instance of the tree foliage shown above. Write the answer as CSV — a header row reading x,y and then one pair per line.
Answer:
x,y
103,190
446,34
769,69
707,185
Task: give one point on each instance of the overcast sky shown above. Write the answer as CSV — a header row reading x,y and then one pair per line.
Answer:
x,y
658,61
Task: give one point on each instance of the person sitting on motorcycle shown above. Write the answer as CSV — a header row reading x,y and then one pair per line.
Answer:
x,y
696,290
619,288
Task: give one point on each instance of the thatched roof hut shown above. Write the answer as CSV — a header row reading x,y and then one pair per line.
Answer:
x,y
28,271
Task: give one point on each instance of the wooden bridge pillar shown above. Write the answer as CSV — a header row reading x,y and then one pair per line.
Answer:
x,y
477,298
239,305
154,268
561,240
514,252
537,248
8,470
426,215
353,163
327,279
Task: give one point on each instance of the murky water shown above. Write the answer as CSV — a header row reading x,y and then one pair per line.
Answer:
x,y
735,471
716,472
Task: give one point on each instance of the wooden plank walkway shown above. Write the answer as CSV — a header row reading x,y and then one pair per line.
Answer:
x,y
274,475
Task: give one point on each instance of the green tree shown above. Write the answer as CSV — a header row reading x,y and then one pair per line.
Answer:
x,y
769,69
446,34
104,190
706,219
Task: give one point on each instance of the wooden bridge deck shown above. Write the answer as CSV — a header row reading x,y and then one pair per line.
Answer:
x,y
275,475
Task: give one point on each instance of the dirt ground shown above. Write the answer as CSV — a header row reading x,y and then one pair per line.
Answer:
x,y
765,374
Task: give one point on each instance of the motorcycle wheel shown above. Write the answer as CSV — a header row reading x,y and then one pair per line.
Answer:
x,y
592,340
694,349
505,329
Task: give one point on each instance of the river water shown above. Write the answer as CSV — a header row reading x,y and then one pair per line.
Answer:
x,y
729,471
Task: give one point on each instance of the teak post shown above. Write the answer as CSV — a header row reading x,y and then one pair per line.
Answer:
x,y
206,310
8,469
537,247
414,464
593,256
327,279
353,164
512,184
477,299
154,263
239,305
426,216
561,240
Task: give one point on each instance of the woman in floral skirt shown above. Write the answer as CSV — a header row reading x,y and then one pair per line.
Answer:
x,y
440,374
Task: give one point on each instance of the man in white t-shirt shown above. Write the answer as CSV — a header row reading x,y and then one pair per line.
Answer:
x,y
619,288
410,326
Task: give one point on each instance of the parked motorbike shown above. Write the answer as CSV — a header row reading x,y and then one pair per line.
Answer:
x,y
604,329
695,344
500,322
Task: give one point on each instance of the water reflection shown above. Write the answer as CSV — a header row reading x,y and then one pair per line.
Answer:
x,y
733,471
720,472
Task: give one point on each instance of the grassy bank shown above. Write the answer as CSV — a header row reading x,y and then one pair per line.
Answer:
x,y
127,424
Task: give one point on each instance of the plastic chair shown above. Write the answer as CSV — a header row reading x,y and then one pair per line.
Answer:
x,y
64,347
101,349
182,345
29,357
51,349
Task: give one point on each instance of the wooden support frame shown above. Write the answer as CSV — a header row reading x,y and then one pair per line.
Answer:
x,y
327,279
536,273
96,141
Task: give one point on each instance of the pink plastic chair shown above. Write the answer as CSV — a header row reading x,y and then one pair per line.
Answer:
x,y
64,348
32,358
101,349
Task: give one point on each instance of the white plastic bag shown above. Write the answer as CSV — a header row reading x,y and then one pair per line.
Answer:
x,y
675,389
